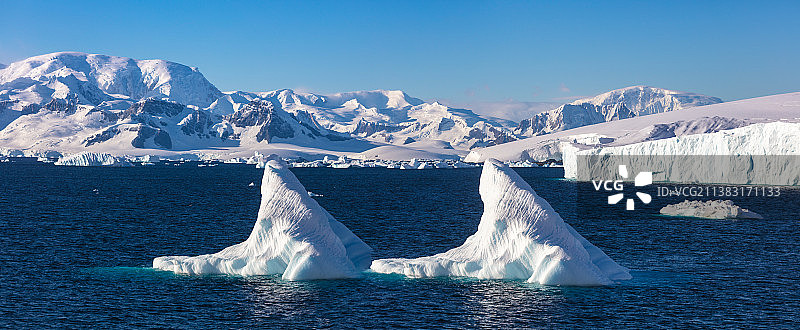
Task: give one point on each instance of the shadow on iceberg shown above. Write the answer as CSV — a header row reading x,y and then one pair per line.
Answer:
x,y
293,236
520,236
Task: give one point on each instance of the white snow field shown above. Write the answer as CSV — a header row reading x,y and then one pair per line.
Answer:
x,y
293,236
93,159
765,153
716,209
520,236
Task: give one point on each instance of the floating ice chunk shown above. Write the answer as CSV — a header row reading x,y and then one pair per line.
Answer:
x,y
92,159
441,164
293,236
340,165
313,194
717,209
520,236
460,164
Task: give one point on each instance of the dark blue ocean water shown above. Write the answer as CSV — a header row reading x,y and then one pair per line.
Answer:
x,y
77,244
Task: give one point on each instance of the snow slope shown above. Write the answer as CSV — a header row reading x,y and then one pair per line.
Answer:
x,y
520,236
715,117
618,104
511,111
397,153
293,236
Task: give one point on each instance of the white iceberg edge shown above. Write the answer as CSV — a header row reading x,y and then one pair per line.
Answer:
x,y
293,236
520,236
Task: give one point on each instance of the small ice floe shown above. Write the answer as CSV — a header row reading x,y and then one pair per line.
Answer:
x,y
313,194
252,184
716,209
341,165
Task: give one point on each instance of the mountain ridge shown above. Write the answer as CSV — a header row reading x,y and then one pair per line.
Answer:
x,y
74,100
628,102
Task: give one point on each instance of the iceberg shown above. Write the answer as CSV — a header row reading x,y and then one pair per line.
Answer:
x,y
763,153
293,236
520,236
717,209
93,159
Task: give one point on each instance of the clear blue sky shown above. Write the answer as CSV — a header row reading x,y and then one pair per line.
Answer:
x,y
456,51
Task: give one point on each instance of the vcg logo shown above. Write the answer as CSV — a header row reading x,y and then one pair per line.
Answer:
x,y
642,179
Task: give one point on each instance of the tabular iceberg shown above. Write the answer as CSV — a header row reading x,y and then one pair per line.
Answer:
x,y
93,159
710,210
520,236
293,236
763,153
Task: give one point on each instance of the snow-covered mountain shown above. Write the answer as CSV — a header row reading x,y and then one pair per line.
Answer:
x,y
70,101
618,104
511,110
381,116
73,102
689,121
107,82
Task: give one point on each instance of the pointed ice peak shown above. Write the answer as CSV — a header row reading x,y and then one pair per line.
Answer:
x,y
276,162
293,236
520,236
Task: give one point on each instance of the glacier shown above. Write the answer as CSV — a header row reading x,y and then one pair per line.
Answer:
x,y
520,236
714,209
763,153
293,236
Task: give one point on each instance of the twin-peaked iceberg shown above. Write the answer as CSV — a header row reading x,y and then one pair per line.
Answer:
x,y
520,236
293,236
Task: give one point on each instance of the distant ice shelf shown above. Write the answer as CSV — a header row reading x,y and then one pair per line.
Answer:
x,y
764,153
